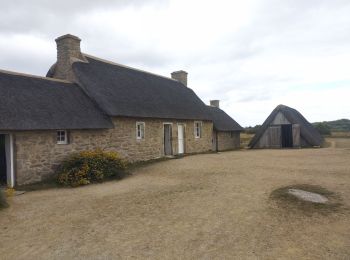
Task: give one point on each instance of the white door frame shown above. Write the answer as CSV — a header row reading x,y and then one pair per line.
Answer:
x,y
181,142
12,163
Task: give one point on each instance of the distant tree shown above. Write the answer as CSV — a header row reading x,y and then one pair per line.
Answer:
x,y
341,125
323,128
251,129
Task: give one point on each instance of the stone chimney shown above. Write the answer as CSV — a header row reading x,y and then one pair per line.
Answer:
x,y
68,51
215,103
180,76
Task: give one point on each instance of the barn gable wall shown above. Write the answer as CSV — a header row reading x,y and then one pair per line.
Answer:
x,y
280,119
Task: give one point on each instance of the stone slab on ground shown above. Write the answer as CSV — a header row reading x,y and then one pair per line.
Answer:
x,y
308,196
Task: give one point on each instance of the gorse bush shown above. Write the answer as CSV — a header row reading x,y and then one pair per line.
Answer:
x,y
90,166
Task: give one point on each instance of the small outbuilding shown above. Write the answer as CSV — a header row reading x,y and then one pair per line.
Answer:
x,y
286,128
226,131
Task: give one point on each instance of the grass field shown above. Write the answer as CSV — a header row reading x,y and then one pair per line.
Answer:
x,y
339,139
245,139
341,134
212,206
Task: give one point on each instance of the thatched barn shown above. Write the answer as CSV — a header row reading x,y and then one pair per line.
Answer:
x,y
286,128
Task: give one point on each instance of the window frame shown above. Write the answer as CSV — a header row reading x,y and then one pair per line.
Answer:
x,y
142,135
59,136
198,134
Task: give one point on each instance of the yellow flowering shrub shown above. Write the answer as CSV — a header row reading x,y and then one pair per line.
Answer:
x,y
90,166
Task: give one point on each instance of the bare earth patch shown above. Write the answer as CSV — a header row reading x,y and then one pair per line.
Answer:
x,y
212,206
310,199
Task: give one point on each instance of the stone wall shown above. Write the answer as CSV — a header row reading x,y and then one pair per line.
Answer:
x,y
228,141
37,154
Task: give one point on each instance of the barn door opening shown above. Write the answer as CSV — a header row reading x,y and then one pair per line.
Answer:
x,y
287,135
167,140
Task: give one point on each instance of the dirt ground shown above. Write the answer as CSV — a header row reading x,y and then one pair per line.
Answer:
x,y
212,206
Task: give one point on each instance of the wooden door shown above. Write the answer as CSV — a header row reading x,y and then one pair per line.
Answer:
x,y
214,141
274,136
296,135
167,140
181,138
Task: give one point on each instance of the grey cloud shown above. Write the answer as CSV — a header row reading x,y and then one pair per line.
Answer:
x,y
42,15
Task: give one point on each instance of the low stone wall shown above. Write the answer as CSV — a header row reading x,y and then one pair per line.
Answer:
x,y
228,140
37,154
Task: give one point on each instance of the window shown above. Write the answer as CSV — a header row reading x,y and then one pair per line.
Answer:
x,y
140,130
62,137
197,129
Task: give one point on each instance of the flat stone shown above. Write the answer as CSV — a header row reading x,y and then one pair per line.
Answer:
x,y
308,196
19,192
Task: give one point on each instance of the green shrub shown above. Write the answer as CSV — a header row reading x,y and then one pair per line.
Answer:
x,y
90,166
3,202
323,128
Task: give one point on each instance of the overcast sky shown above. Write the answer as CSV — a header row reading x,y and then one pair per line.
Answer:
x,y
252,54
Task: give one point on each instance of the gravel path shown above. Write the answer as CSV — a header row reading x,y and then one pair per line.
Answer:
x,y
213,206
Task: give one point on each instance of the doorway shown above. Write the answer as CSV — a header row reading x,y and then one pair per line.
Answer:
x,y
6,161
287,136
181,138
3,164
167,140
214,141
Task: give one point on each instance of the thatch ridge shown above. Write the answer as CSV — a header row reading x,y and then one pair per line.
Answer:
x,y
125,66
32,76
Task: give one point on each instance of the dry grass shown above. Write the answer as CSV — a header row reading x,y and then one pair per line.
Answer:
x,y
245,139
337,142
341,134
211,206
3,201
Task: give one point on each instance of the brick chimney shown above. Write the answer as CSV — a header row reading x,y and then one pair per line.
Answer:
x,y
180,76
215,103
68,51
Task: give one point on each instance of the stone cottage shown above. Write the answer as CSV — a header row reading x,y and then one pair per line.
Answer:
x,y
85,103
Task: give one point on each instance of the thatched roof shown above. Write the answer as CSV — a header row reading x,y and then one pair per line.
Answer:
x,y
30,102
222,121
307,131
124,91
